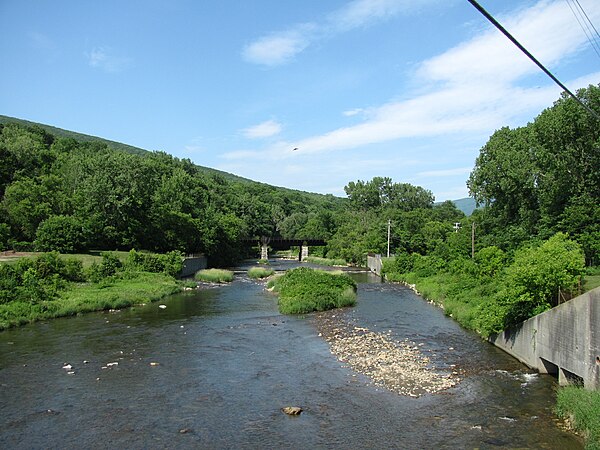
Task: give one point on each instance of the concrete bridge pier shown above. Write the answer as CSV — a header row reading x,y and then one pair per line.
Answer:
x,y
264,251
303,252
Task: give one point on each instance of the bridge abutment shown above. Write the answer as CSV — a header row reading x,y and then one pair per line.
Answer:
x,y
303,252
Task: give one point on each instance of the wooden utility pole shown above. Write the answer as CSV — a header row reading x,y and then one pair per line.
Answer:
x,y
473,240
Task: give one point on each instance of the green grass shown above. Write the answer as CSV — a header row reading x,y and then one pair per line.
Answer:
x,y
305,290
260,272
592,279
129,289
214,275
582,408
325,261
87,259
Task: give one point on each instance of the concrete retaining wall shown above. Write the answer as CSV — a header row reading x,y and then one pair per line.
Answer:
x,y
564,340
192,265
374,263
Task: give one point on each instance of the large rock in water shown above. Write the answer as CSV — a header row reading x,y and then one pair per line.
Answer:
x,y
292,410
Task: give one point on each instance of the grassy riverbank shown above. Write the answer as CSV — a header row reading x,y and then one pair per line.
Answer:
x,y
581,408
134,288
305,290
52,285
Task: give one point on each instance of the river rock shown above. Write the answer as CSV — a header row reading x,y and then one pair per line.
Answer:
x,y
292,410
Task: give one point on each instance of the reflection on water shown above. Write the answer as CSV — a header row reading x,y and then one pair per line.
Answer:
x,y
226,362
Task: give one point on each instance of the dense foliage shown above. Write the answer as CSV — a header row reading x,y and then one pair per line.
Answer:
x,y
51,285
60,194
305,290
540,186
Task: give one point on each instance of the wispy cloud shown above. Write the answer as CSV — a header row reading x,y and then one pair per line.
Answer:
x,y
105,59
445,172
352,112
472,87
463,94
262,130
282,46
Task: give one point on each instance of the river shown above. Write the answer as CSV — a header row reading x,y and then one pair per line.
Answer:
x,y
214,368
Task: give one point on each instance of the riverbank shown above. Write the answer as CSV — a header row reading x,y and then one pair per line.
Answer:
x,y
137,288
53,285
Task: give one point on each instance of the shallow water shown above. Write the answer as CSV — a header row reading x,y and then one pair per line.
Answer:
x,y
228,362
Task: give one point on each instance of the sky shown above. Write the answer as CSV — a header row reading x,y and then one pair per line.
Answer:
x,y
304,94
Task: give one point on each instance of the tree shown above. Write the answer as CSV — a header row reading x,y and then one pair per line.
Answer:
x,y
64,234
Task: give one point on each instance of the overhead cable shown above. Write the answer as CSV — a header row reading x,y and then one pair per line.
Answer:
x,y
585,23
489,17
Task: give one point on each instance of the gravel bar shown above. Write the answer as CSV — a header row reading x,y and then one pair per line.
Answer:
x,y
400,367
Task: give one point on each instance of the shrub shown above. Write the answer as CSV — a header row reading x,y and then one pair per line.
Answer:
x,y
109,266
170,263
4,236
214,276
260,272
64,234
537,273
304,290
490,261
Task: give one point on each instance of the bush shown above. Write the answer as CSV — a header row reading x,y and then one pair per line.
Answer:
x,y
214,276
304,290
37,280
170,263
537,273
4,236
260,272
64,234
490,261
109,266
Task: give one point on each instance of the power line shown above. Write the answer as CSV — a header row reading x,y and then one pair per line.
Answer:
x,y
489,17
588,19
581,17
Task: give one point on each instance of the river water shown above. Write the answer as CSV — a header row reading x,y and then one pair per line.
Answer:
x,y
214,368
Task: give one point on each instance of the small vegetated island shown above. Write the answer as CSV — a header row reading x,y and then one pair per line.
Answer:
x,y
304,290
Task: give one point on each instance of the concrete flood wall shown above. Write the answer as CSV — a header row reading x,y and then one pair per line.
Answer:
x,y
374,263
191,265
564,341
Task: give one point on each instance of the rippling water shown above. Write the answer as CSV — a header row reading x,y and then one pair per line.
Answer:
x,y
227,362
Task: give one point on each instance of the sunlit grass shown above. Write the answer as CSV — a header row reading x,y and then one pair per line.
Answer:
x,y
214,276
114,293
582,408
260,272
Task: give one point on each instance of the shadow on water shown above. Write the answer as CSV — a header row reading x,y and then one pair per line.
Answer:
x,y
225,362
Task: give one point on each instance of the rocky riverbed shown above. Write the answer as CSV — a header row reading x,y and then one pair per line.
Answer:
x,y
400,367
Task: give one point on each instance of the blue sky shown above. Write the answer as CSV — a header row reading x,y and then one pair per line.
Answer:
x,y
400,88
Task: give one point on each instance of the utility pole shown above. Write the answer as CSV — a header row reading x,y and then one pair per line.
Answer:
x,y
389,225
473,240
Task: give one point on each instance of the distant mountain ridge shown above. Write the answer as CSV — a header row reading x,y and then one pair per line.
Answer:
x,y
466,205
80,137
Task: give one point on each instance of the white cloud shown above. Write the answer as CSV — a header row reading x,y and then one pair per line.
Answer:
x,y
352,112
363,12
281,47
445,172
104,59
470,88
262,130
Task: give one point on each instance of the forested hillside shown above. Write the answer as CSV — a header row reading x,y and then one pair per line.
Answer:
x,y
61,194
